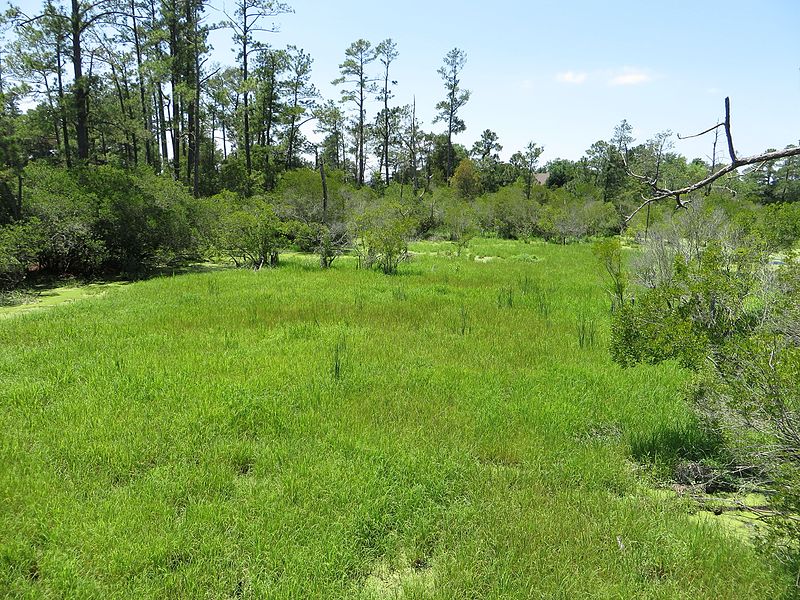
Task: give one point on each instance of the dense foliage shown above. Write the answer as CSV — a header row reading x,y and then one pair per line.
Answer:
x,y
715,298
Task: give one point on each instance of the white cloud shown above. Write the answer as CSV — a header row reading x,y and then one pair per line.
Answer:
x,y
571,77
630,76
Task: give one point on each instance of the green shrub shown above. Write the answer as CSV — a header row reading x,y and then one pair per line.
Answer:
x,y
20,244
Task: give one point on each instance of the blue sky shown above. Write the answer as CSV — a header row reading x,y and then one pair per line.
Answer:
x,y
563,74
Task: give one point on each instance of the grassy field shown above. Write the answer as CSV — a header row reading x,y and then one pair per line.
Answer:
x,y
455,431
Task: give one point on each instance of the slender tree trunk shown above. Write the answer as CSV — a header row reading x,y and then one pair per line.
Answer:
x,y
324,190
414,144
131,116
172,18
62,105
158,99
53,112
245,99
361,117
147,121
176,133
19,196
196,132
269,178
224,138
192,84
80,85
292,130
451,119
386,123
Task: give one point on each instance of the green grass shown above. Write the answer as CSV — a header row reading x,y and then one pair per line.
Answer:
x,y
343,434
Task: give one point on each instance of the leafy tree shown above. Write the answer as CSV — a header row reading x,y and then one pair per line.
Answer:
x,y
461,223
331,123
560,172
455,99
358,57
465,181
531,157
20,244
386,52
301,96
488,146
609,254
12,160
247,20
253,235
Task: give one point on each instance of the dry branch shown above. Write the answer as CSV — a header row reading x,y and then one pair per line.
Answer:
x,y
659,193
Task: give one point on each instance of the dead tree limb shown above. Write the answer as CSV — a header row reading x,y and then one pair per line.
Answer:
x,y
659,193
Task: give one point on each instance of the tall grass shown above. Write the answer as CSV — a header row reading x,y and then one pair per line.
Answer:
x,y
308,434
586,329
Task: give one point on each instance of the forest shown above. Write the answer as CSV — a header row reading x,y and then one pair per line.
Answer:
x,y
134,151
514,341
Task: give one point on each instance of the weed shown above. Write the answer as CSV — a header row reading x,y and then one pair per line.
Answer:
x,y
505,298
463,322
339,352
586,327
542,298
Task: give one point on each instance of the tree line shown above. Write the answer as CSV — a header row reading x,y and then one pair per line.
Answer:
x,y
122,146
130,83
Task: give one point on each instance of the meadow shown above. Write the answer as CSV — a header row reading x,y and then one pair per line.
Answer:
x,y
455,431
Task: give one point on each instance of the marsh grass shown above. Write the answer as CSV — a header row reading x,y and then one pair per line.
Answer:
x,y
505,297
298,433
586,329
463,320
339,354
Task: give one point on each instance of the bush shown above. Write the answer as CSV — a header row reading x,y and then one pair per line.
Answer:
x,y
734,320
253,235
20,244
111,219
142,218
380,235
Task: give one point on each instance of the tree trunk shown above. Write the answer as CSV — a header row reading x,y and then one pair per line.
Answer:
x,y
172,18
147,121
386,124
196,131
324,191
80,85
245,100
121,100
361,117
62,106
414,144
158,100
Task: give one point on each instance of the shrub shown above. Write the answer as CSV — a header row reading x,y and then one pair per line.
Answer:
x,y
731,318
253,235
20,244
380,236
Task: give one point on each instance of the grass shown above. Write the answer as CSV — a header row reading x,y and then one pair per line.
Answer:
x,y
343,434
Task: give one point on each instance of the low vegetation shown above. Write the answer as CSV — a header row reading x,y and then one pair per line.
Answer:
x,y
457,430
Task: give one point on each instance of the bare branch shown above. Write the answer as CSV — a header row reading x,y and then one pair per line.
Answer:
x,y
662,194
709,130
728,129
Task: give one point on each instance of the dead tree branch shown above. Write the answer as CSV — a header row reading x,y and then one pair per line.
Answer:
x,y
659,193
